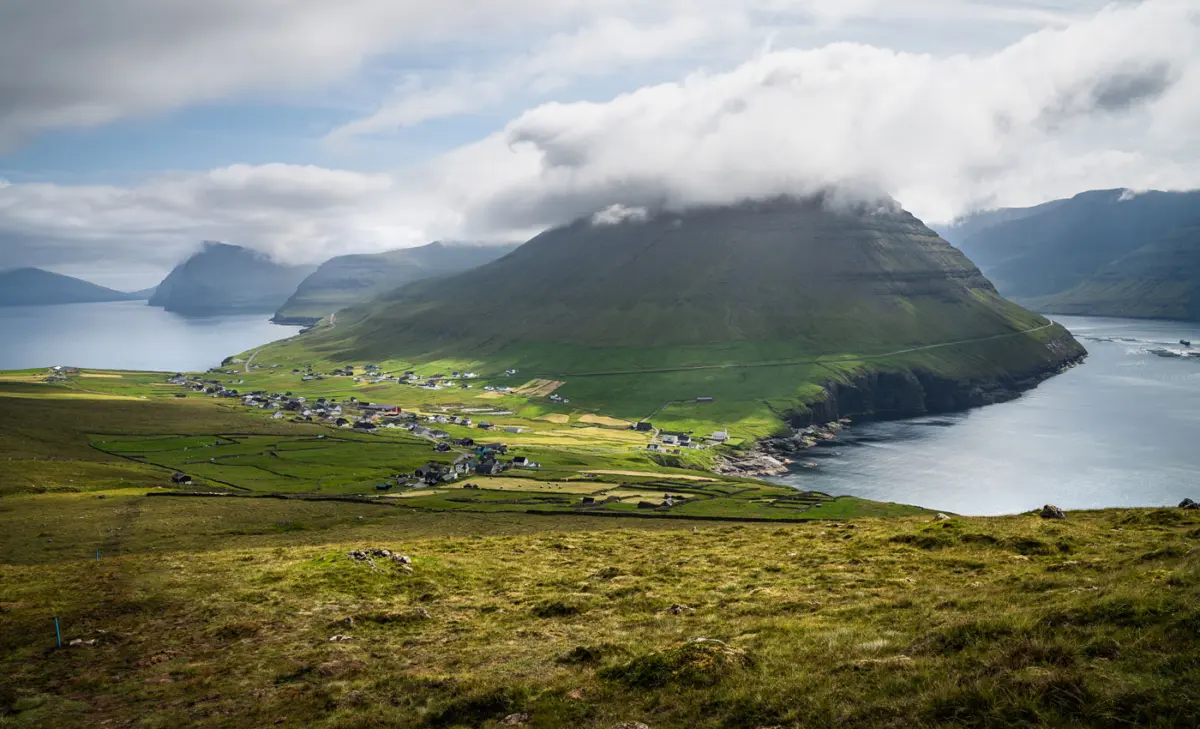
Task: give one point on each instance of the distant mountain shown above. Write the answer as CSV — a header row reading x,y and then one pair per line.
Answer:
x,y
1157,281
347,280
143,294
1034,255
35,287
679,303
227,279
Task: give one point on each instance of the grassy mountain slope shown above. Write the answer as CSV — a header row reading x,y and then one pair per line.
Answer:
x,y
756,305
35,287
348,280
222,279
1065,243
1157,281
224,612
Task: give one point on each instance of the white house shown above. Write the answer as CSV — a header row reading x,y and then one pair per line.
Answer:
x,y
719,436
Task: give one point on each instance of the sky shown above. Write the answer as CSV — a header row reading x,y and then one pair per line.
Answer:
x,y
132,130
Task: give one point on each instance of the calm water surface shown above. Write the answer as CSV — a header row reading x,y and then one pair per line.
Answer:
x,y
1123,429
126,335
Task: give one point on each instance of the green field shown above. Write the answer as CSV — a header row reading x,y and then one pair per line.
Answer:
x,y
234,602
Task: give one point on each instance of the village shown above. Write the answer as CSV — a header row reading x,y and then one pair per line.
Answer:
x,y
469,457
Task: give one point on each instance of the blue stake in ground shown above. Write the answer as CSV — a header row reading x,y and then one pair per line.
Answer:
x,y
57,633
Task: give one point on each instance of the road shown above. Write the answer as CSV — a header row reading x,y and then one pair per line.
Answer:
x,y
250,360
819,360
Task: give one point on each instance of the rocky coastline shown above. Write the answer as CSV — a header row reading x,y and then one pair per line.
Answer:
x,y
876,396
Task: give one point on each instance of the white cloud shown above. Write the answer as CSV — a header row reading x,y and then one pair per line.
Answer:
x,y
79,63
1111,96
1110,101
295,213
617,214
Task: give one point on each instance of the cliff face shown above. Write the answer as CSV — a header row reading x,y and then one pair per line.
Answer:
x,y
891,395
225,279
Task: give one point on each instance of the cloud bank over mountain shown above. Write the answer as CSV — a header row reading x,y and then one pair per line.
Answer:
x,y
1109,100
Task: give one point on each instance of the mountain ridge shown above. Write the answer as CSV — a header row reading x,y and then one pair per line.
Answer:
x,y
351,279
29,286
1038,255
227,279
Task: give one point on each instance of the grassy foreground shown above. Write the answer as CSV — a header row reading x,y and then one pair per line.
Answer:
x,y
518,607
233,613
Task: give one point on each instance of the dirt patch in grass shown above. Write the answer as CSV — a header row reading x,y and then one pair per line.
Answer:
x,y
557,418
604,421
538,388
652,475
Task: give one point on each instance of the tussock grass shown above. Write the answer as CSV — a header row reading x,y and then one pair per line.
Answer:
x,y
209,614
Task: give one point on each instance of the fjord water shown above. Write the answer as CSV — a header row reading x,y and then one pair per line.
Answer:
x,y
126,335
1122,429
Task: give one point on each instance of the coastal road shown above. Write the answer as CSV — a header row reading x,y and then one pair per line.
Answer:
x,y
819,360
250,360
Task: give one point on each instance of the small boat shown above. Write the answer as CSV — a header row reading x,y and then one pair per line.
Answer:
x,y
1186,342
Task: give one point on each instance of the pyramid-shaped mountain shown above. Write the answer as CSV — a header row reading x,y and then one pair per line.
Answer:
x,y
757,284
227,279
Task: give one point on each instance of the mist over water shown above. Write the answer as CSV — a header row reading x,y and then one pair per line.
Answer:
x,y
126,335
1123,429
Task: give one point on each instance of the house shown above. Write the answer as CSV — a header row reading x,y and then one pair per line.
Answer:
x,y
653,447
383,486
278,415
464,442
180,478
685,439
719,436
366,425
342,423
438,434
442,447
485,425
489,467
670,439
643,426
520,461
465,422
514,429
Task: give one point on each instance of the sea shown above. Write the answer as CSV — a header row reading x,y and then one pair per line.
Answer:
x,y
126,335
1121,429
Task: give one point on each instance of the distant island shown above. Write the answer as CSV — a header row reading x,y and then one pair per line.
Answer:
x,y
347,280
37,287
1100,253
227,279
